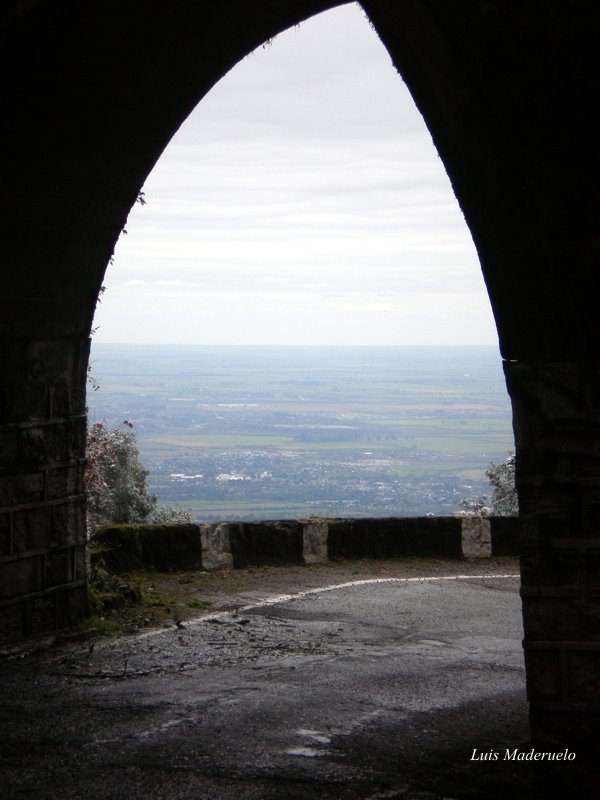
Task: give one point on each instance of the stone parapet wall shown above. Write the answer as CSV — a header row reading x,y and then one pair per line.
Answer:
x,y
125,548
395,537
319,540
43,589
224,545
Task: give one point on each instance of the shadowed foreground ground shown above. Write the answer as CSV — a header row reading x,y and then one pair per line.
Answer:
x,y
376,690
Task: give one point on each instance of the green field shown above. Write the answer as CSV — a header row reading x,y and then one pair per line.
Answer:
x,y
267,432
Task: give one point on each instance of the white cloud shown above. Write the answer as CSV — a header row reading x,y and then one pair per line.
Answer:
x,y
303,190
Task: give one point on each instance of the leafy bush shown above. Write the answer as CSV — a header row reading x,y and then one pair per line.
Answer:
x,y
504,501
116,481
169,515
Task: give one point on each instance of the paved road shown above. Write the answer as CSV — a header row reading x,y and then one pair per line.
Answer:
x,y
376,690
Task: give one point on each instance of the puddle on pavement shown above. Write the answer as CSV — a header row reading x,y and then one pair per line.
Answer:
x,y
310,752
305,752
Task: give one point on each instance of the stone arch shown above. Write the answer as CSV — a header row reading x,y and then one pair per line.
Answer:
x,y
92,96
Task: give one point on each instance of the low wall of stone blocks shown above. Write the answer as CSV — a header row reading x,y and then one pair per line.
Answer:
x,y
232,545
44,589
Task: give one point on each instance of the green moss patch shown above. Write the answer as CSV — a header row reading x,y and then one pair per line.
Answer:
x,y
129,602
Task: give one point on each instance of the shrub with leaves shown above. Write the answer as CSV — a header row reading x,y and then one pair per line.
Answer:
x,y
115,480
475,506
504,501
169,514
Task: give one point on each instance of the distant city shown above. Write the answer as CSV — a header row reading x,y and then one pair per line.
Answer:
x,y
248,433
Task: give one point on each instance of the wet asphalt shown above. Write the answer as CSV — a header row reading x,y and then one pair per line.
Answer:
x,y
377,690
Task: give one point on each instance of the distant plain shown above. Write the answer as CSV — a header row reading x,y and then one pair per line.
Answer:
x,y
280,432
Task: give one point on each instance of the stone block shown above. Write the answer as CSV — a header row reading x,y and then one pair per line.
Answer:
x,y
9,446
342,540
65,399
59,568
44,379
40,441
123,548
573,572
256,543
33,403
170,547
5,535
216,547
11,623
76,437
80,563
476,537
22,489
32,528
395,537
544,682
583,672
21,577
506,534
117,548
25,396
64,481
69,523
59,442
314,542
556,619
71,606
40,615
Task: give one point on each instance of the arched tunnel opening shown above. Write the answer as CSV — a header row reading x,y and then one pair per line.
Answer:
x,y
83,132
303,205
307,639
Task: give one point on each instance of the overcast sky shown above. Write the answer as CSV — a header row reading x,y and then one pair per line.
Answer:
x,y
301,203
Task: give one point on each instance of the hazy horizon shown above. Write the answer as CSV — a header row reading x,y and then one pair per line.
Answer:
x,y
273,345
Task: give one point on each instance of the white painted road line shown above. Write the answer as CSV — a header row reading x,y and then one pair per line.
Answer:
x,y
284,598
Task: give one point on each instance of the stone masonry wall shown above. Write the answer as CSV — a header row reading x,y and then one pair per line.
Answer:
x,y
225,545
557,421
42,530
